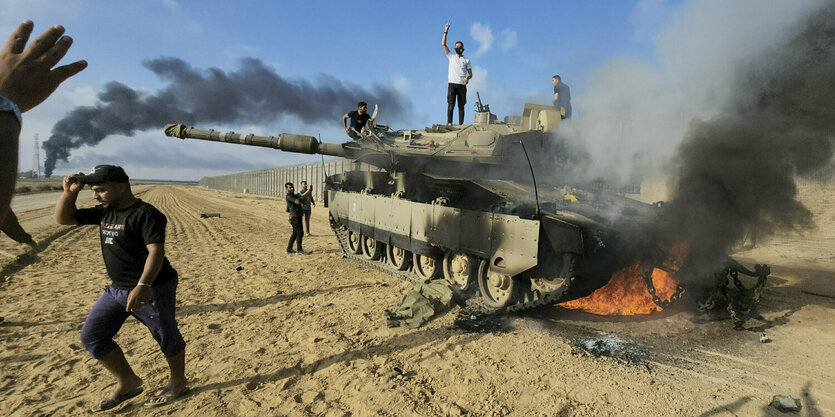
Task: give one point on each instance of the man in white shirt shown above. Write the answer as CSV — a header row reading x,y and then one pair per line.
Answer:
x,y
459,75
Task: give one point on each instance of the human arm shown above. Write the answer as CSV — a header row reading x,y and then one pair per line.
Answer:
x,y
65,208
556,96
12,228
469,75
443,41
9,132
27,79
141,294
293,199
345,122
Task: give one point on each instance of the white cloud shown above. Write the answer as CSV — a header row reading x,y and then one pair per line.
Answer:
x,y
649,16
170,5
507,39
478,82
79,96
400,82
483,35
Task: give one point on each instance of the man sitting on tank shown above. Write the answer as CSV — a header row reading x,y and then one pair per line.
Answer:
x,y
359,118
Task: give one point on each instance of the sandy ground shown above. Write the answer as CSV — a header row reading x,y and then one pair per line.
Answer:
x,y
305,335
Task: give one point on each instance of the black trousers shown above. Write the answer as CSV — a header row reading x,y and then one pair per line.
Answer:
x,y
307,220
297,235
459,92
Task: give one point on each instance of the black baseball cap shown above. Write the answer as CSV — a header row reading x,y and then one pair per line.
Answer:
x,y
104,173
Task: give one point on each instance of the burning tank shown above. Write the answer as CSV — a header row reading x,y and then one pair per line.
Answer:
x,y
480,205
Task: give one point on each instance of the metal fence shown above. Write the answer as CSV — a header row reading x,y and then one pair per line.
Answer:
x,y
271,181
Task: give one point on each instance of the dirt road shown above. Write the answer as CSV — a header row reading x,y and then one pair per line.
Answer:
x,y
305,335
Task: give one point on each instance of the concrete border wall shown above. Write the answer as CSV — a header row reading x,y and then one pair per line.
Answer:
x,y
271,181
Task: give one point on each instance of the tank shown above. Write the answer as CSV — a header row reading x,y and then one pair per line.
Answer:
x,y
483,206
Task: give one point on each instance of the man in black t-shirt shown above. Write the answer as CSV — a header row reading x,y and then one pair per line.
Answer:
x,y
359,118
294,207
143,283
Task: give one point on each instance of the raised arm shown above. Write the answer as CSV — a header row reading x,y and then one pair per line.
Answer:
x,y
344,123
443,41
65,209
26,79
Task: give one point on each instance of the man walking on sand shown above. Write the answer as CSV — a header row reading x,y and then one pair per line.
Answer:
x,y
143,283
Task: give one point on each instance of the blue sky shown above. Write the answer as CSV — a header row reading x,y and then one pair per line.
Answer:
x,y
393,44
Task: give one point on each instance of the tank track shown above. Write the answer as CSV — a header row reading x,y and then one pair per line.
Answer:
x,y
528,300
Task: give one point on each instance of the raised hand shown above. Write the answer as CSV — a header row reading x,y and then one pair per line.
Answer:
x,y
71,183
26,75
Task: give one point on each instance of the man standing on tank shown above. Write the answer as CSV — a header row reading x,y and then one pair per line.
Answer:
x,y
359,118
458,76
294,207
562,95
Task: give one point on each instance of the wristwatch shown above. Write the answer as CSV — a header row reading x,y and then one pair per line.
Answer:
x,y
7,105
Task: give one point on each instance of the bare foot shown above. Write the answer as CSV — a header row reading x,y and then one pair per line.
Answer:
x,y
123,392
130,385
172,391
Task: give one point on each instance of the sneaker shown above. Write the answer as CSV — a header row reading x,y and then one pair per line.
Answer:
x,y
302,252
289,251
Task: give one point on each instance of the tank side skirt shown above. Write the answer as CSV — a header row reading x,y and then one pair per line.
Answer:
x,y
529,300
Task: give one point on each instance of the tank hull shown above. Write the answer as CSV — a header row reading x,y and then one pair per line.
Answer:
x,y
540,259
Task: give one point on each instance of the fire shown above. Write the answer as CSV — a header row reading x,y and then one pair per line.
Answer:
x,y
626,294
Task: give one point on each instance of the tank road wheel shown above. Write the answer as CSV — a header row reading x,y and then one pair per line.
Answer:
x,y
354,242
371,248
459,270
398,257
497,290
426,267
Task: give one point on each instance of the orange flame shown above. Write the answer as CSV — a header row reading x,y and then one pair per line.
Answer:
x,y
626,294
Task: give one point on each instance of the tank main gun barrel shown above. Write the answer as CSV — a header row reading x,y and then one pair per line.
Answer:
x,y
285,141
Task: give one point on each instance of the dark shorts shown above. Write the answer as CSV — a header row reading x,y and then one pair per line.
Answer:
x,y
108,314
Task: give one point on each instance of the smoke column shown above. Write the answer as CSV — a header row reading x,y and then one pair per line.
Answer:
x,y
735,173
253,94
633,113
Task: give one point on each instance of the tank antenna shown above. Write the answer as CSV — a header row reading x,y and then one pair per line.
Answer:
x,y
535,190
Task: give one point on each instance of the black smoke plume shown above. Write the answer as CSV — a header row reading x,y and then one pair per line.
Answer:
x,y
736,173
253,94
